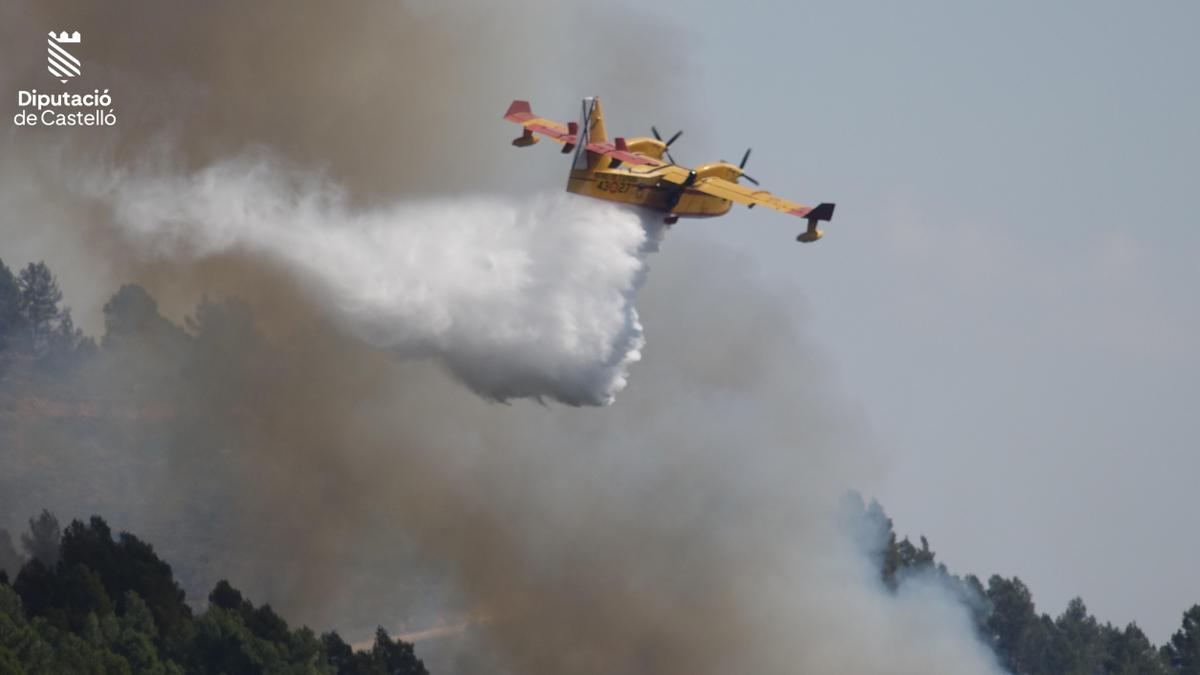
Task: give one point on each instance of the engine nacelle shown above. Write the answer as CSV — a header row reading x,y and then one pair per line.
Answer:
x,y
723,170
647,147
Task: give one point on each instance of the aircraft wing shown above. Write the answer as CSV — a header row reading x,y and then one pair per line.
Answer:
x,y
567,134
750,196
743,194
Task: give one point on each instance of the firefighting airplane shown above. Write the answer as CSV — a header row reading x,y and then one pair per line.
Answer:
x,y
632,171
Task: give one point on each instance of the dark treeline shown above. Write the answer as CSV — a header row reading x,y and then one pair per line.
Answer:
x,y
1025,642
81,600
84,602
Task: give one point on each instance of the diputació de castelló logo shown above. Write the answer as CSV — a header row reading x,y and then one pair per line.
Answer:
x,y
64,109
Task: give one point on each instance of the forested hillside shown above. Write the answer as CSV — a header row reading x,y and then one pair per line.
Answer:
x,y
1027,642
85,602
82,420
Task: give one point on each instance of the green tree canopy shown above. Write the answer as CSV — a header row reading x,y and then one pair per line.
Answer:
x,y
1183,649
110,605
1130,652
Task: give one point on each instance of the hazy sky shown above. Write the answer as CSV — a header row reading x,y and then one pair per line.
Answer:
x,y
1008,289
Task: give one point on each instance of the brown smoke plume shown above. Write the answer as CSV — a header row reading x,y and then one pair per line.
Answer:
x,y
687,528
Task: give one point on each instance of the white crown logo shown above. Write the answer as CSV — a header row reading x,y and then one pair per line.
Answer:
x,y
64,38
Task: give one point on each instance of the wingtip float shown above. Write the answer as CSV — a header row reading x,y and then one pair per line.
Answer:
x,y
640,171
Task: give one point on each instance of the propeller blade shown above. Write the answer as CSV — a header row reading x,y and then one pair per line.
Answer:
x,y
744,158
750,179
666,144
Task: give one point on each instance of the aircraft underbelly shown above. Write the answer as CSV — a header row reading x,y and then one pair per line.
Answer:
x,y
631,191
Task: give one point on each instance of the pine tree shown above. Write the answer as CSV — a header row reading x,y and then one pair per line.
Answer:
x,y
1079,645
40,296
1183,650
41,542
1013,624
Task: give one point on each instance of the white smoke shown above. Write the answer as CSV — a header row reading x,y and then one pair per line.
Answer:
x,y
530,298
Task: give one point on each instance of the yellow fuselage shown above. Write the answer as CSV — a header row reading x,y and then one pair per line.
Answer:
x,y
647,190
